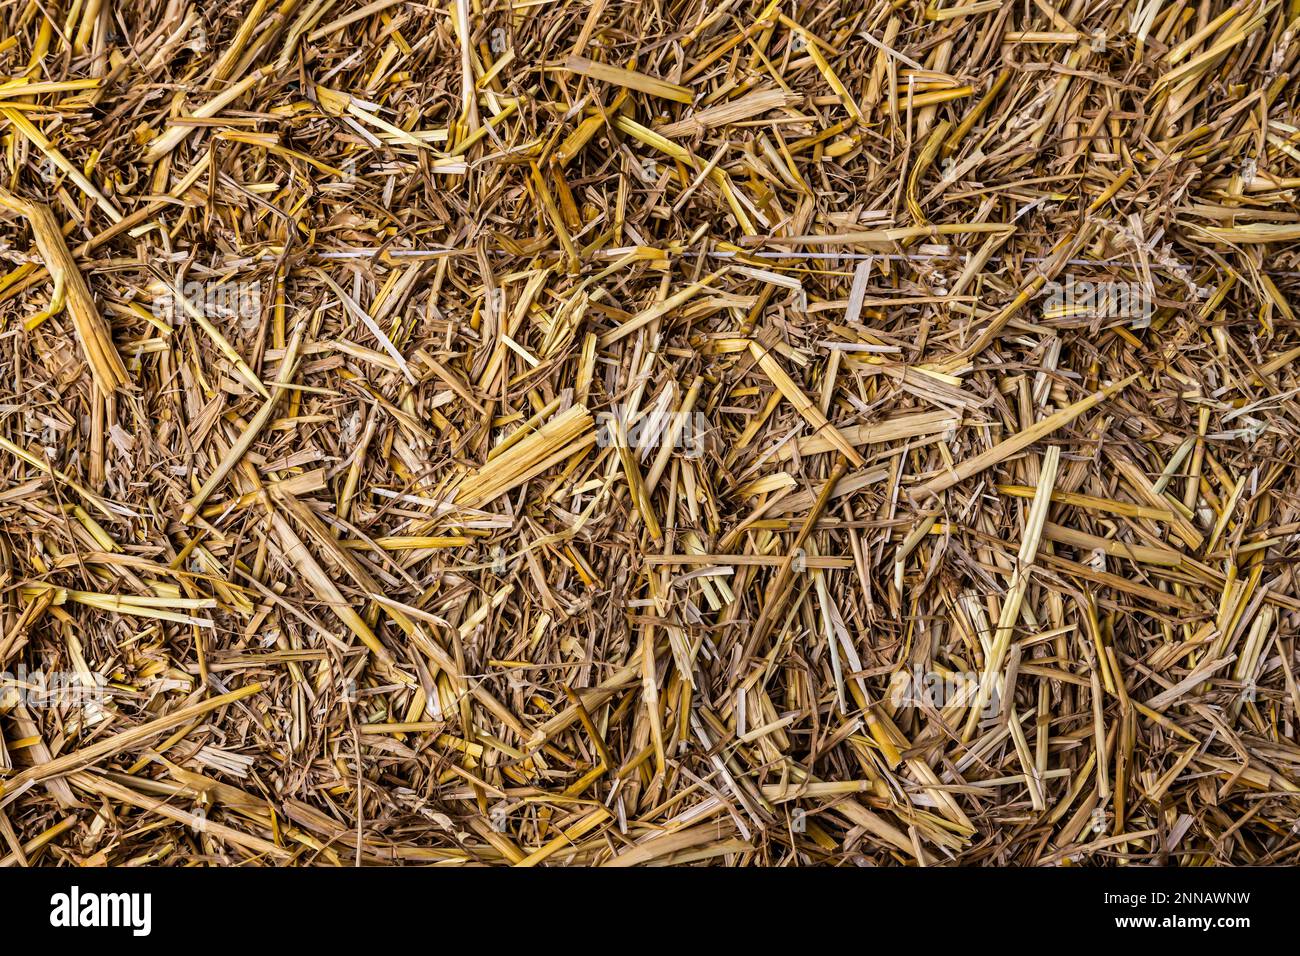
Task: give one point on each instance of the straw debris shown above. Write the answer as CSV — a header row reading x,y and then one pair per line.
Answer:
x,y
640,434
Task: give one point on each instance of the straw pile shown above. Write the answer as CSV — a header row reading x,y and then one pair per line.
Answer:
x,y
598,433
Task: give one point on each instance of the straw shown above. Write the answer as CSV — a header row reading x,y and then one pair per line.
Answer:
x,y
591,434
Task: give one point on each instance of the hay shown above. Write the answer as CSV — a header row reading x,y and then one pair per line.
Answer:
x,y
642,434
